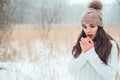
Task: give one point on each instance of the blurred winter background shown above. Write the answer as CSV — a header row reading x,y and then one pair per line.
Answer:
x,y
37,36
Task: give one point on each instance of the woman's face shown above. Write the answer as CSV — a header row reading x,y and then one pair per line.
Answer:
x,y
90,30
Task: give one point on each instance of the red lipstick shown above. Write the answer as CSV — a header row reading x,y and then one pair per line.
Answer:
x,y
89,35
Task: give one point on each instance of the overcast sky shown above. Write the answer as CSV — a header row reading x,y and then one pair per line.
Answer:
x,y
73,2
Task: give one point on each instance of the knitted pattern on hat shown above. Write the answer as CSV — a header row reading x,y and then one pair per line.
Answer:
x,y
93,15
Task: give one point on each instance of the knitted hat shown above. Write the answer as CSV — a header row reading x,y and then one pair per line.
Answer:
x,y
93,15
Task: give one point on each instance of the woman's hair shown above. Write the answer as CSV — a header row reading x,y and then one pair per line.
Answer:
x,y
102,47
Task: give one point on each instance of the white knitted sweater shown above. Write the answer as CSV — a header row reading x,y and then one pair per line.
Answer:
x,y
88,66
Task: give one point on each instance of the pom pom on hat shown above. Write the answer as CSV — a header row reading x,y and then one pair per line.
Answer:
x,y
95,5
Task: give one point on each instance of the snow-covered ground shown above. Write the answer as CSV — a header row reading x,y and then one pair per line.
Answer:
x,y
37,61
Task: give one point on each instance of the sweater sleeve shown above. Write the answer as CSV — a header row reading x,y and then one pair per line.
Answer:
x,y
76,64
107,72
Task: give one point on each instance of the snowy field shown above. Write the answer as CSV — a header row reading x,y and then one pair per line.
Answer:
x,y
41,65
30,58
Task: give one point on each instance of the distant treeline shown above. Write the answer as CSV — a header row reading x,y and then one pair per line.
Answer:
x,y
56,11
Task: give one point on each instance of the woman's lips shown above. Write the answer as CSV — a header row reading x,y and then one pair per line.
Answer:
x,y
90,35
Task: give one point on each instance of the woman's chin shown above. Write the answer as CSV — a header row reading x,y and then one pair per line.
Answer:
x,y
90,37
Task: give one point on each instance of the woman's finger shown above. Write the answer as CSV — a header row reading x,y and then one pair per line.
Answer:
x,y
82,45
91,41
84,41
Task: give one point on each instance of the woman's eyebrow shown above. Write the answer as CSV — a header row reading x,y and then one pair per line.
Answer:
x,y
91,25
83,25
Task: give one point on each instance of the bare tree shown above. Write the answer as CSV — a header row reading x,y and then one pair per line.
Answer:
x,y
47,16
6,15
4,20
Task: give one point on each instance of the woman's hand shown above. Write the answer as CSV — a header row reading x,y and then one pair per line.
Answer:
x,y
86,44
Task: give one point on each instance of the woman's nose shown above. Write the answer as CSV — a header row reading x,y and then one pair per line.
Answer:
x,y
88,30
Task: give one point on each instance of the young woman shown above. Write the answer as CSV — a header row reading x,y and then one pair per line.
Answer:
x,y
95,54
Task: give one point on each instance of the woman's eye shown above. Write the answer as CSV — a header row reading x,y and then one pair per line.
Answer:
x,y
92,26
84,27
